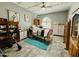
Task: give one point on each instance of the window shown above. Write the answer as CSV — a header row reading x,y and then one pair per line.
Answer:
x,y
46,22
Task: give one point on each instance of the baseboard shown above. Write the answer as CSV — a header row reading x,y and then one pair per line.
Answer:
x,y
58,35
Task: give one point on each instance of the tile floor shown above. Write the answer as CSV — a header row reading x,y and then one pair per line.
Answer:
x,y
56,49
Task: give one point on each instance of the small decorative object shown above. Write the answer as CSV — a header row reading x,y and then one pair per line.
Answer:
x,y
13,16
26,18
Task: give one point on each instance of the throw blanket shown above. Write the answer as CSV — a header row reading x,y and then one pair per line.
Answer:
x,y
40,31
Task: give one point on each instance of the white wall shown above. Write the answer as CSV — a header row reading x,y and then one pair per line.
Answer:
x,y
57,17
4,6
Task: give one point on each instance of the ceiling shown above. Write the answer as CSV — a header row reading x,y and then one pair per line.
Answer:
x,y
36,6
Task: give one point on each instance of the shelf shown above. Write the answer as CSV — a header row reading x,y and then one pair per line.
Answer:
x,y
2,31
12,26
76,24
2,37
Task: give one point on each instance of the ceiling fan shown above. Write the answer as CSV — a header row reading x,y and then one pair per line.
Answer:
x,y
44,5
41,5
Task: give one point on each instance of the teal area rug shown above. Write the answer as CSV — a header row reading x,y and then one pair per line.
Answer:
x,y
36,43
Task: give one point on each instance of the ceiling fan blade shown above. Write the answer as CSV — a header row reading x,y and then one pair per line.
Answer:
x,y
43,3
35,5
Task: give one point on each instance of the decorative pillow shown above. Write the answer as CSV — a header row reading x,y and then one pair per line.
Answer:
x,y
46,32
39,31
35,29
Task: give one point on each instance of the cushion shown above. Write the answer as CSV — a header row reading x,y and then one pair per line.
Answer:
x,y
46,32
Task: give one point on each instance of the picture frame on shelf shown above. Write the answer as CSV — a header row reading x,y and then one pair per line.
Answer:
x,y
13,16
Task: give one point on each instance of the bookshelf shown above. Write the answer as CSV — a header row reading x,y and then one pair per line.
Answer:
x,y
6,30
11,28
3,29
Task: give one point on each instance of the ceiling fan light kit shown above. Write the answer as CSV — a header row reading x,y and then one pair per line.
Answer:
x,y
43,8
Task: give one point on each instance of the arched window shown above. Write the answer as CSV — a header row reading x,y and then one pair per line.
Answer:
x,y
46,22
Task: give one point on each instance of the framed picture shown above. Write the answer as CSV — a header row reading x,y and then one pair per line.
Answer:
x,y
26,18
13,16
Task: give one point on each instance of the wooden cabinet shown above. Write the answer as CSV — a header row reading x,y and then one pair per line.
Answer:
x,y
74,36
